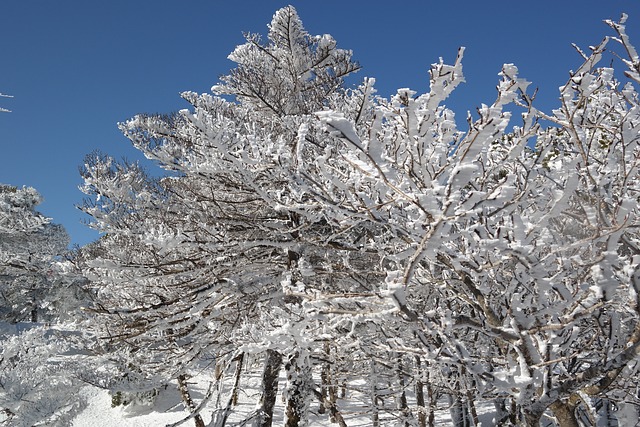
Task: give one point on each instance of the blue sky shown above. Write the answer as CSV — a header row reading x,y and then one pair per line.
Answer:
x,y
77,68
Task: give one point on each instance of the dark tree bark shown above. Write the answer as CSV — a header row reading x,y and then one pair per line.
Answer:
x,y
565,413
329,388
422,412
236,384
272,366
336,415
298,391
402,404
460,416
375,411
505,414
220,418
188,401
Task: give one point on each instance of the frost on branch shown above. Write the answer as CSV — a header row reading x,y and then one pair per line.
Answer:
x,y
523,246
29,247
37,384
293,74
343,237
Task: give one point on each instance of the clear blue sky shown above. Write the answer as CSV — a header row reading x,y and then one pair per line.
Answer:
x,y
76,68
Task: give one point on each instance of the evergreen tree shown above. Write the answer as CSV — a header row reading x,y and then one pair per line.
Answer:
x,y
37,379
30,245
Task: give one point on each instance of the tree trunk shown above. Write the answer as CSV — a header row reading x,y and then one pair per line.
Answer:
x,y
470,399
236,384
34,308
272,366
431,419
531,419
460,416
188,401
297,392
565,413
505,412
324,387
458,406
402,404
329,387
375,411
336,415
422,411
531,415
471,405
222,415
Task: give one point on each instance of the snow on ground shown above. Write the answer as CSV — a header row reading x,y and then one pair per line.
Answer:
x,y
169,409
99,412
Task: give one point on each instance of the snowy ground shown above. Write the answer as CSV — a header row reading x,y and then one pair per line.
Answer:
x,y
168,409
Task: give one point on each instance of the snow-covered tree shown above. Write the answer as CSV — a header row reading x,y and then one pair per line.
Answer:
x,y
515,249
38,386
30,246
37,383
341,236
205,258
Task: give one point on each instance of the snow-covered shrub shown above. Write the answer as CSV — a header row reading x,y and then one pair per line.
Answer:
x,y
38,385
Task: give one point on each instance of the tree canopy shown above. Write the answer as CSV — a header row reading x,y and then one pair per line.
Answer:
x,y
368,248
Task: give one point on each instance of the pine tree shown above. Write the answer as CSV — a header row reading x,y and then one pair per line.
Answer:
x,y
29,247
37,382
205,256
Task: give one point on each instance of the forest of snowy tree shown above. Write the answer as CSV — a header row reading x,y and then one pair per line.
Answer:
x,y
334,249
